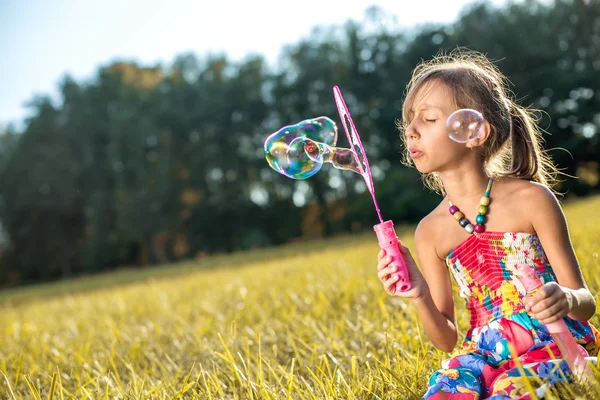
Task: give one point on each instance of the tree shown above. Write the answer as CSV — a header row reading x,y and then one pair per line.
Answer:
x,y
148,164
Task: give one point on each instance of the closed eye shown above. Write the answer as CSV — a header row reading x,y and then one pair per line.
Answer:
x,y
430,120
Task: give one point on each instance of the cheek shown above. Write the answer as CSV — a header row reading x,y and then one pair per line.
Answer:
x,y
438,137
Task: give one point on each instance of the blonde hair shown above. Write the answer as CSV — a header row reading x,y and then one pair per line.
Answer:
x,y
514,146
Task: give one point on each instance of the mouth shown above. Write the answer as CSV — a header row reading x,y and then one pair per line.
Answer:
x,y
414,153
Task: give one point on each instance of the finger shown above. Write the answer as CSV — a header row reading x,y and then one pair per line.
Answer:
x,y
529,302
384,262
385,272
551,314
542,305
539,296
545,291
381,254
387,285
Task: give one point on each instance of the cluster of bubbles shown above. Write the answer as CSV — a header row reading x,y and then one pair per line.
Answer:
x,y
299,151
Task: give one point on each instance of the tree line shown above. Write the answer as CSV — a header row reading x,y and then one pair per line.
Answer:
x,y
148,164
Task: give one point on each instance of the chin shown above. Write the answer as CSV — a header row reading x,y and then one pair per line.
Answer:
x,y
430,164
424,168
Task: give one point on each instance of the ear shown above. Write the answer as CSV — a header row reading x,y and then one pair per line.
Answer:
x,y
485,134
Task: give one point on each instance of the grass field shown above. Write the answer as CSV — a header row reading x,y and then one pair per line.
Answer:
x,y
307,321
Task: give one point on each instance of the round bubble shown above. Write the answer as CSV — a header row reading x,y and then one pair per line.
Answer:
x,y
285,149
339,157
313,150
465,125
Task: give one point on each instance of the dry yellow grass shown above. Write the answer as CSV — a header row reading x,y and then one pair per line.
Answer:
x,y
306,322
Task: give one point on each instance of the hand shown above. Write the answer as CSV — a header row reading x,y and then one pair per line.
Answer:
x,y
551,303
388,278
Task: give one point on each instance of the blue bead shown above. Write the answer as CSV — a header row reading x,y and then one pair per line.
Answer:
x,y
463,222
480,219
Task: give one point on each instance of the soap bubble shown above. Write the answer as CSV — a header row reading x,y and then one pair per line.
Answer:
x,y
339,157
465,125
299,151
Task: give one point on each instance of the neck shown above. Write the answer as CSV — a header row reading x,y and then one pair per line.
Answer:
x,y
465,185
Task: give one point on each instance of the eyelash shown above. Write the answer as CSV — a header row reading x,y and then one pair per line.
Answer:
x,y
430,120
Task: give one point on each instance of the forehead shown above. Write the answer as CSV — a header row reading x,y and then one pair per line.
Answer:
x,y
431,94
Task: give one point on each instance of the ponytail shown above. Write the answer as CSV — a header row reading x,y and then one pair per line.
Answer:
x,y
528,159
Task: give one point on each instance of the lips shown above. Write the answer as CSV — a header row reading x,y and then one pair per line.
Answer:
x,y
414,153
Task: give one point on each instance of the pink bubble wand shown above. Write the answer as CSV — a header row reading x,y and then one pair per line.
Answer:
x,y
574,354
386,235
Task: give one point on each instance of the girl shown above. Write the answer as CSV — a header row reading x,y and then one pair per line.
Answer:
x,y
502,177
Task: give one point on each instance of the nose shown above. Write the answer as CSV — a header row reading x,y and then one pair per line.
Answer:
x,y
411,131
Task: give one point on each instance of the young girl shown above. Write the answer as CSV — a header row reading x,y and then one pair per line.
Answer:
x,y
497,213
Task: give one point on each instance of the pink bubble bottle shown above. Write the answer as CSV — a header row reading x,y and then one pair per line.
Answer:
x,y
388,241
574,354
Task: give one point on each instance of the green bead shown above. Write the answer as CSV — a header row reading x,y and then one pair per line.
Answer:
x,y
480,219
483,210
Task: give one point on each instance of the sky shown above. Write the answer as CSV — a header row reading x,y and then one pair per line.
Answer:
x,y
41,41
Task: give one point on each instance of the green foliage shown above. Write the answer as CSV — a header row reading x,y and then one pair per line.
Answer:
x,y
149,164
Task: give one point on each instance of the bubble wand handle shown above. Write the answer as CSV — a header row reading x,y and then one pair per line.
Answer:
x,y
573,354
389,242
385,232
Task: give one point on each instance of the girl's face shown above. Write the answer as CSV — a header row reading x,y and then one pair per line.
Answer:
x,y
426,136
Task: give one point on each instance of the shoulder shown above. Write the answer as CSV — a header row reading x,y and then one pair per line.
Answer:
x,y
533,196
428,230
530,201
543,208
428,225
526,192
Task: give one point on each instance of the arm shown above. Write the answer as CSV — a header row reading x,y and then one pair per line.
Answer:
x,y
572,297
436,306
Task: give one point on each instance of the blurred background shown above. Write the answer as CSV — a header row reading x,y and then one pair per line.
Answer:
x,y
131,133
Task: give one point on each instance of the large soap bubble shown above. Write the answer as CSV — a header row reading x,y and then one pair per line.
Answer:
x,y
465,125
299,151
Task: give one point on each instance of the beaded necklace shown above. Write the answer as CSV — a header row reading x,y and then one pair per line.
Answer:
x,y
484,202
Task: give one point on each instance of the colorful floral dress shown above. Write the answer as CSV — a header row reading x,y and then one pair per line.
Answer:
x,y
484,267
